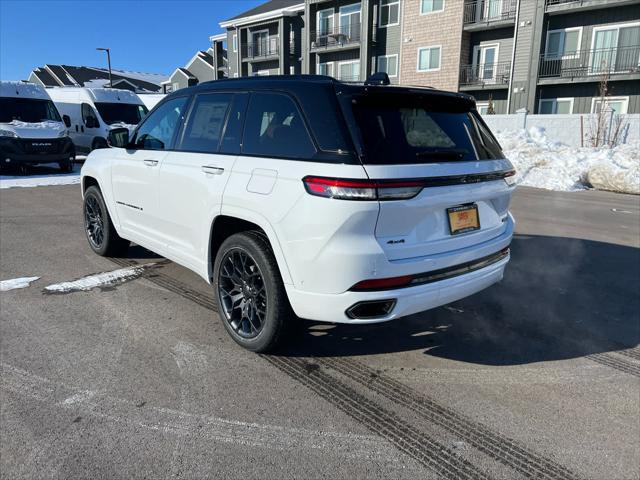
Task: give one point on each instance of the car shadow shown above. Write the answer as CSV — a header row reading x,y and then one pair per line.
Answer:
x,y
560,298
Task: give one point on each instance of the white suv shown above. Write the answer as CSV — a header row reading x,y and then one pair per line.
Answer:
x,y
303,196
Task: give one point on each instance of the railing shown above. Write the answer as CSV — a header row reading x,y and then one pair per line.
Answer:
x,y
549,3
489,11
349,78
336,37
587,63
262,48
485,74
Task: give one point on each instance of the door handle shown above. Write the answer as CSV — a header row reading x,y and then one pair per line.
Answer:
x,y
150,163
212,170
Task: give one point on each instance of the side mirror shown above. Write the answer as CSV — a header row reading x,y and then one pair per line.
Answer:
x,y
118,138
67,121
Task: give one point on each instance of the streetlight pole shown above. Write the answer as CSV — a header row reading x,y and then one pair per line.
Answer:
x,y
109,63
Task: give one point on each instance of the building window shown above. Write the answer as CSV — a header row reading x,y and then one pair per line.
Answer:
x,y
430,6
235,42
563,43
325,22
483,108
548,106
615,48
388,64
389,12
429,58
325,69
349,71
617,104
350,21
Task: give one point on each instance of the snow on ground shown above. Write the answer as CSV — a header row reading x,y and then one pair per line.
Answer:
x,y
14,283
106,279
42,176
543,163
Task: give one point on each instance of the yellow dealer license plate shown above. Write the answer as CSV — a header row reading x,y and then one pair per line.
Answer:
x,y
463,219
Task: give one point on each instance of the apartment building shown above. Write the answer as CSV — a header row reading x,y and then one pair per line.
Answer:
x,y
203,66
548,56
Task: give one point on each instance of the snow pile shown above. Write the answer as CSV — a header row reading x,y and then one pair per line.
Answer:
x,y
106,279
543,163
14,283
40,180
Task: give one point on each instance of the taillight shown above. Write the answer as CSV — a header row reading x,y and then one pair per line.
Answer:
x,y
347,189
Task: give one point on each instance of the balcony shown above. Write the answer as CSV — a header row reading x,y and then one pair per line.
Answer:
x,y
263,49
590,65
487,14
336,37
485,75
566,6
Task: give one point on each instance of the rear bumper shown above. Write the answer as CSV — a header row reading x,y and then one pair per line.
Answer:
x,y
408,300
332,308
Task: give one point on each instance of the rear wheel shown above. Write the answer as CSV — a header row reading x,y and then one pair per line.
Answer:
x,y
101,234
252,301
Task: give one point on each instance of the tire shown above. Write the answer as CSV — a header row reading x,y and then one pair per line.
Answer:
x,y
241,318
101,234
66,166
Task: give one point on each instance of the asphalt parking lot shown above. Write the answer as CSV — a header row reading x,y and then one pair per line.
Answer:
x,y
536,377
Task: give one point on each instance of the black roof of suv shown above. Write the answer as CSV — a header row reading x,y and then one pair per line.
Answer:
x,y
326,105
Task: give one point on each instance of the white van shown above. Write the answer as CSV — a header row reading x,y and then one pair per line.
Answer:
x,y
95,111
31,129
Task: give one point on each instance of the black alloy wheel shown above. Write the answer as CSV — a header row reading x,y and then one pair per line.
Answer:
x,y
243,293
94,222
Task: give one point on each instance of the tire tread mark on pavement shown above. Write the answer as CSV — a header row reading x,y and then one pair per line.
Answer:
x,y
630,352
169,283
495,445
403,436
620,364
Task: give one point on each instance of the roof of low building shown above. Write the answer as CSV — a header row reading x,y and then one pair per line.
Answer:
x,y
70,75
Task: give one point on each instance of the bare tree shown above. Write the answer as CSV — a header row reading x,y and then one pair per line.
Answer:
x,y
605,130
490,109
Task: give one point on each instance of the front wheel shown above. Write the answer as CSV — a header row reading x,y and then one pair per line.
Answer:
x,y
252,301
101,234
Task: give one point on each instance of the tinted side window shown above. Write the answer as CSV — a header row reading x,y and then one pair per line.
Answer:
x,y
233,131
274,127
87,112
158,128
203,128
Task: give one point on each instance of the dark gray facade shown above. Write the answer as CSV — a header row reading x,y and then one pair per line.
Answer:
x,y
546,56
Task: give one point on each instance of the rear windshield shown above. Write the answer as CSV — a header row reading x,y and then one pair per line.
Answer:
x,y
401,129
28,110
128,113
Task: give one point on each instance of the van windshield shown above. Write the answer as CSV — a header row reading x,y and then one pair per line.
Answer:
x,y
408,128
30,110
128,113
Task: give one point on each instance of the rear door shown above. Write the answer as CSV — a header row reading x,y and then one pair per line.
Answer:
x,y
439,143
134,172
193,176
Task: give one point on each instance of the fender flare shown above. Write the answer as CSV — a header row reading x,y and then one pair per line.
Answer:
x,y
263,223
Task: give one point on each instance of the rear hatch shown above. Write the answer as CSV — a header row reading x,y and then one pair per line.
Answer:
x,y
437,143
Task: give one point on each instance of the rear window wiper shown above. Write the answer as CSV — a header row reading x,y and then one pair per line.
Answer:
x,y
443,153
